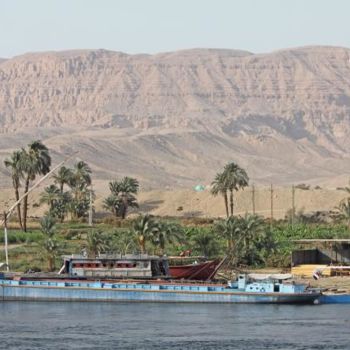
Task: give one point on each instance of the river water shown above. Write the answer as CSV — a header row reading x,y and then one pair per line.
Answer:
x,y
39,325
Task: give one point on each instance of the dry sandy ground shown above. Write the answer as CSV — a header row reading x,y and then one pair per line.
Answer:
x,y
339,284
203,204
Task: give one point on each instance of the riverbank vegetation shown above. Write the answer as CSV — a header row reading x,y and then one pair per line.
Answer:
x,y
257,246
247,240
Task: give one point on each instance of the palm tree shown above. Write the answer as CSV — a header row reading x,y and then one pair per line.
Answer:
x,y
80,203
36,160
123,196
126,184
112,203
81,174
50,196
219,187
234,178
204,241
50,248
49,245
166,232
145,227
47,224
122,242
228,229
62,205
63,177
79,183
244,235
251,233
95,243
14,163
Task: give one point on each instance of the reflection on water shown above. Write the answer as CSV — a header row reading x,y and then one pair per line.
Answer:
x,y
26,325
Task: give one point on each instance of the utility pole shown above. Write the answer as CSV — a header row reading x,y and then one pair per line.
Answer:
x,y
6,242
293,204
90,208
253,198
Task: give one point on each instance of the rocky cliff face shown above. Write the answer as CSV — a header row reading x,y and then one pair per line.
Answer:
x,y
174,118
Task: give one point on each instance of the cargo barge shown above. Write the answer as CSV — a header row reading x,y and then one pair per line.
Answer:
x,y
144,278
242,291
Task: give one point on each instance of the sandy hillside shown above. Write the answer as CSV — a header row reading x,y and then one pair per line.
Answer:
x,y
174,119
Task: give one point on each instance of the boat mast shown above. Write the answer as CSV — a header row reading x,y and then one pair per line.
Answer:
x,y
6,242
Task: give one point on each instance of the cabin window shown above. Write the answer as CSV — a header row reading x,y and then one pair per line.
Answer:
x,y
276,288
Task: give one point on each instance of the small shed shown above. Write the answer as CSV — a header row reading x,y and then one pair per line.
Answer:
x,y
330,255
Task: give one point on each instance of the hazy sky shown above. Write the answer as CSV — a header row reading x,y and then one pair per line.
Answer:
x,y
150,26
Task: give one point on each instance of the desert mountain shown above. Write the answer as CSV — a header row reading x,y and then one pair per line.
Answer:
x,y
173,119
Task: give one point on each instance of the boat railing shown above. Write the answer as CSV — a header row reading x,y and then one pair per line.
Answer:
x,y
104,285
113,256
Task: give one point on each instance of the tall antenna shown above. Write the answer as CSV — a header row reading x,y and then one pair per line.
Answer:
x,y
90,208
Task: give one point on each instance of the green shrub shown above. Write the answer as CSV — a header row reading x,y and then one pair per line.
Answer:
x,y
18,237
71,234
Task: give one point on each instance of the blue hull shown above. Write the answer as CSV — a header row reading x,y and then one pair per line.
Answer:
x,y
335,299
96,291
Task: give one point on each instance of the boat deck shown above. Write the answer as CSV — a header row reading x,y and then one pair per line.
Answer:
x,y
118,285
70,290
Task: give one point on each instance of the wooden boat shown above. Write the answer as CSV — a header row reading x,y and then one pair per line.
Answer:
x,y
140,267
199,271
